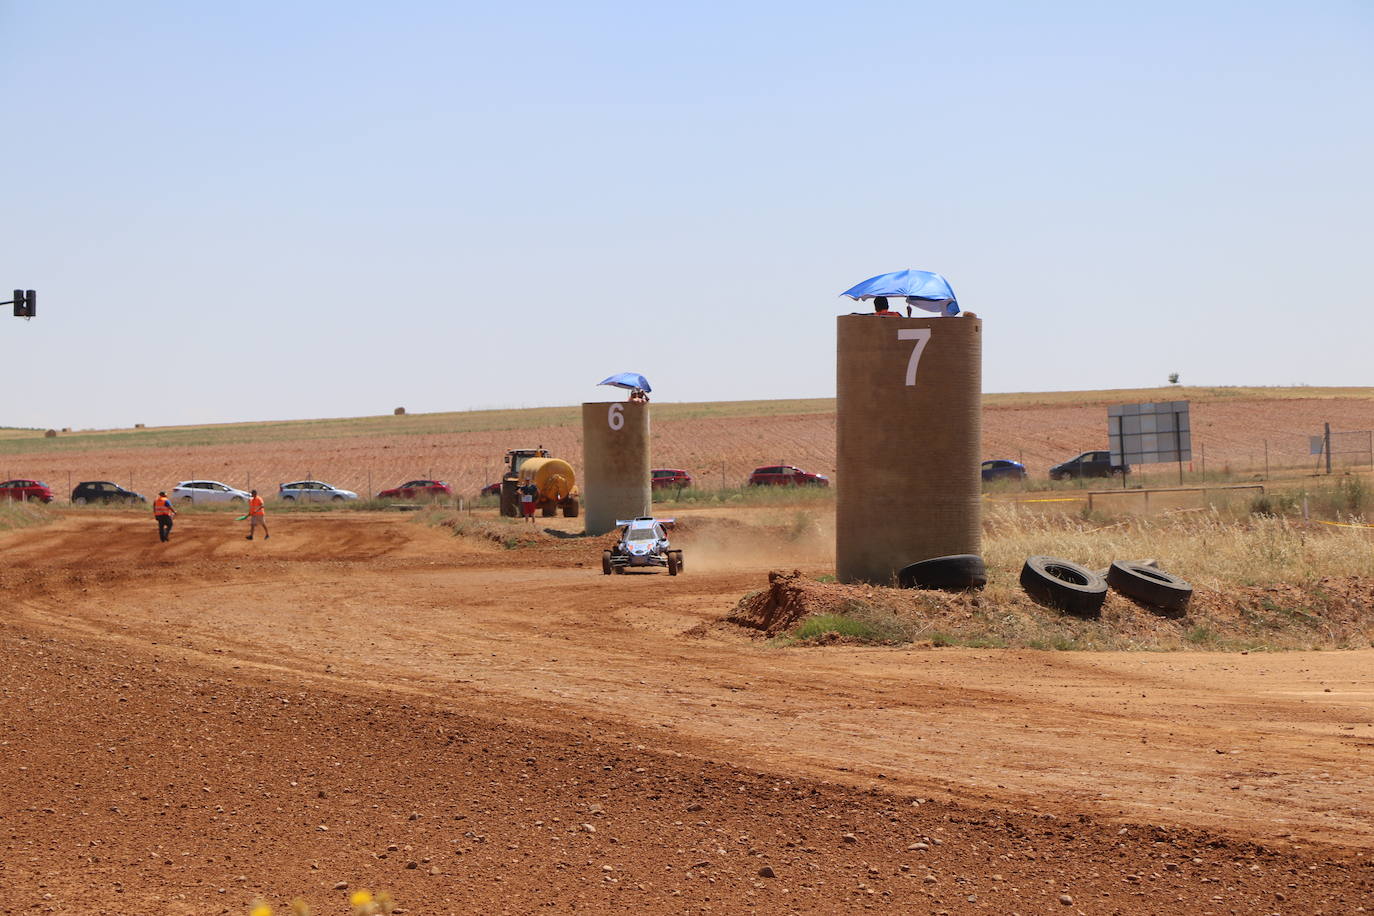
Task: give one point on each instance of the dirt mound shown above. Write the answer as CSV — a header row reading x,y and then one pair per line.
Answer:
x,y
788,598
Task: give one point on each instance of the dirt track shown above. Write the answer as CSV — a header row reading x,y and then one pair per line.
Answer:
x,y
183,720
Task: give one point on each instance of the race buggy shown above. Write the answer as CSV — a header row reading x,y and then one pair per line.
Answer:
x,y
643,542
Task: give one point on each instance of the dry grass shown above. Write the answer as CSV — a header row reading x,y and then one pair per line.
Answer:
x,y
20,441
1195,394
1207,548
22,515
1261,583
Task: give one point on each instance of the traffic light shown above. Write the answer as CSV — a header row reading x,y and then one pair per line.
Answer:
x,y
25,303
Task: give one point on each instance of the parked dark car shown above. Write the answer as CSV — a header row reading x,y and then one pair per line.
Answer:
x,y
785,475
491,489
103,491
33,490
1089,464
426,489
669,477
1003,469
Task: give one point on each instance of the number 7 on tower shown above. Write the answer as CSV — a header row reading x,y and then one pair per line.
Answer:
x,y
922,337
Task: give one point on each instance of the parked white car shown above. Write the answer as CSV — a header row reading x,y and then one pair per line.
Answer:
x,y
208,491
314,491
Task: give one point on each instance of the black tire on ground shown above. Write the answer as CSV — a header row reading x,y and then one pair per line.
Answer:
x,y
681,562
570,507
288,499
79,501
953,573
510,499
672,562
1161,592
338,499
1064,586
187,499
605,562
236,499
618,570
548,511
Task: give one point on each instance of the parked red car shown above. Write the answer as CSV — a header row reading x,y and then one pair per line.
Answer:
x,y
669,477
785,475
26,489
491,489
425,489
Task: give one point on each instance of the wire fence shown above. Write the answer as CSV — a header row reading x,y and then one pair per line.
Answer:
x,y
1226,461
1351,448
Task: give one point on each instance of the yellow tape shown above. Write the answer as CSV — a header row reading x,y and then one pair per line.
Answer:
x,y
1340,524
1065,499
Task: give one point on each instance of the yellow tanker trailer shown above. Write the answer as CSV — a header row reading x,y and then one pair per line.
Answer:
x,y
554,478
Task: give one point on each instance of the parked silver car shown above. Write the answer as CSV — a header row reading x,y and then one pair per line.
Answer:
x,y
314,491
643,542
208,491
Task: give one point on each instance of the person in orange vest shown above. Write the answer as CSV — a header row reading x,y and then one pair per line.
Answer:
x,y
257,515
163,512
880,308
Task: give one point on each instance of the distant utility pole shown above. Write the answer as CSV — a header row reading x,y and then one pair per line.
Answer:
x,y
25,303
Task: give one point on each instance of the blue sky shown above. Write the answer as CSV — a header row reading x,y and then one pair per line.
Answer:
x,y
276,210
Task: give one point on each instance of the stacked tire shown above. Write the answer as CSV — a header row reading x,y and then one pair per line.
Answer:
x,y
1077,590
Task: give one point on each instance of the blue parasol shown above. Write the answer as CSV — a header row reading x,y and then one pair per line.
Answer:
x,y
629,380
924,289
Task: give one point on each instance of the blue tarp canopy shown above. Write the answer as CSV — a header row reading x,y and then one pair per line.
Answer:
x,y
922,288
627,380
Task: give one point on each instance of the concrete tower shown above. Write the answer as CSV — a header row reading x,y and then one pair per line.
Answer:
x,y
615,448
908,443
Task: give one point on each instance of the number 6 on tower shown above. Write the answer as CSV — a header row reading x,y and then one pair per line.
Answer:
x,y
615,417
921,336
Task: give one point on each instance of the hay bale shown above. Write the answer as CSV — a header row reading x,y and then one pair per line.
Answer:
x,y
50,434
66,429
138,426
399,412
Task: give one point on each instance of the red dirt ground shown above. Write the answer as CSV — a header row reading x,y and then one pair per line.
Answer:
x,y
364,700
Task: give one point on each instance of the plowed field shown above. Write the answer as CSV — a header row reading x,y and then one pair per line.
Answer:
x,y
720,444
363,701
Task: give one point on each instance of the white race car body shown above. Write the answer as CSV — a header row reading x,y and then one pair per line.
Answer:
x,y
643,542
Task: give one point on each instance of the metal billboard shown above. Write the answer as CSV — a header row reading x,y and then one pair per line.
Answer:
x,y
1149,433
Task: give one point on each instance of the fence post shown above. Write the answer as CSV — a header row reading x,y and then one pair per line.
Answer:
x,y
1326,446
1266,459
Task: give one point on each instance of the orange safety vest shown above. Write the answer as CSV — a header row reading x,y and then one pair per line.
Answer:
x,y
162,506
255,506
